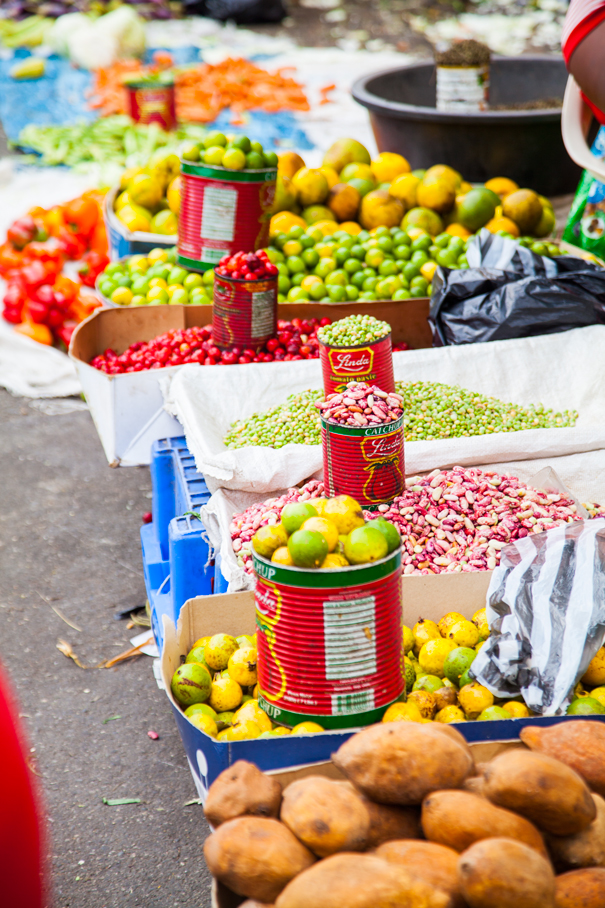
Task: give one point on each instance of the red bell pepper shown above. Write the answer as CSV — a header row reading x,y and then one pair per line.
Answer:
x,y
22,231
93,264
71,244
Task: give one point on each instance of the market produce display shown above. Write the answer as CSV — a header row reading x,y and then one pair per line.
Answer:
x,y
149,196
450,520
361,404
325,534
217,688
246,266
352,188
154,279
431,410
524,829
234,152
40,301
295,340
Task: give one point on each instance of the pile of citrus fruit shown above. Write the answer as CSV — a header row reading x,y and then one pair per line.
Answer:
x,y
150,196
359,193
154,279
325,534
230,152
217,688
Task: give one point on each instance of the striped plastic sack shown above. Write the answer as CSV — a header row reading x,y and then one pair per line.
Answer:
x,y
546,611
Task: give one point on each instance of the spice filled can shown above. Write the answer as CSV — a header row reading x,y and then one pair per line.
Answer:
x,y
222,211
152,103
371,363
330,643
365,462
244,313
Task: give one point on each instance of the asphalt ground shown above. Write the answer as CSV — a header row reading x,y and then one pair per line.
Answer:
x,y
69,541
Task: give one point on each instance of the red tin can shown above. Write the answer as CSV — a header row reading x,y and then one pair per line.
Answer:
x,y
330,643
244,313
152,103
222,211
365,462
372,363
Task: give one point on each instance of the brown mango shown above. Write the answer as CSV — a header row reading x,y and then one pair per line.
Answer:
x,y
503,873
255,857
579,744
254,903
325,815
435,864
457,819
242,790
388,822
581,888
542,789
440,728
400,762
584,849
359,881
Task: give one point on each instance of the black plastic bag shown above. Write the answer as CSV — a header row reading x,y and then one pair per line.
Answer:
x,y
243,12
509,291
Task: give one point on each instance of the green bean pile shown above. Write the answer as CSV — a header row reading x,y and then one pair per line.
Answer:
x,y
432,410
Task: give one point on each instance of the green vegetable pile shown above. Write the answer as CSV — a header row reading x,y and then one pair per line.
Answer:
x,y
353,331
432,410
108,140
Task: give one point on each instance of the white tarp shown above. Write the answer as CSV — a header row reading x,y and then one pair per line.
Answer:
x,y
561,371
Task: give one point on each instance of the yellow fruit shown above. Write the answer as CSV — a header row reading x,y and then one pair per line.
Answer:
x,y
307,728
387,166
283,221
121,200
408,639
425,701
480,620
145,190
517,710
234,159
343,152
333,561
599,694
594,676
502,223
165,223
281,555
285,194
252,712
327,227
428,270
473,699
218,651
244,731
225,694
447,621
324,526
173,195
436,194
450,714
157,255
351,227
121,296
269,538
402,712
128,174
222,735
424,218
502,186
205,723
344,512
319,504
479,645
415,232
201,642
357,171
445,173
330,175
289,163
424,630
463,633
242,666
404,188
134,217
524,208
379,209
458,230
433,654
343,201
311,186
547,222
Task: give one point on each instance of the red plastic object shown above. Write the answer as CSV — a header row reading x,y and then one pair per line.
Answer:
x,y
22,835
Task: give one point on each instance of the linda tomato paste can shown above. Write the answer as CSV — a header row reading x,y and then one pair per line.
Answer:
x,y
329,643
222,211
371,362
152,102
244,313
365,462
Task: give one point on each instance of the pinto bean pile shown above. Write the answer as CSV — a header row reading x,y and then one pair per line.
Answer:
x,y
361,404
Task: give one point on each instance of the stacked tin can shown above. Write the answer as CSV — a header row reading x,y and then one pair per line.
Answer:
x,y
330,642
244,313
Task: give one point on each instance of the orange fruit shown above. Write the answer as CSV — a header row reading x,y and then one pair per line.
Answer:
x,y
502,223
388,165
289,162
458,230
283,221
502,186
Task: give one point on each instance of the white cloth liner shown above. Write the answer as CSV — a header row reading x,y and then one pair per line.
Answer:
x,y
562,371
30,369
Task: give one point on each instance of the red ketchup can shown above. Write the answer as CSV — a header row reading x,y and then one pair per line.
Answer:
x,y
222,211
330,643
372,363
365,462
244,313
152,102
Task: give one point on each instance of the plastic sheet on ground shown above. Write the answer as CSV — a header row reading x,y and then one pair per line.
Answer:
x,y
562,371
29,369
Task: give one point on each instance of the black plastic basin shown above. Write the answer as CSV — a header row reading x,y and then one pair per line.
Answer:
x,y
525,145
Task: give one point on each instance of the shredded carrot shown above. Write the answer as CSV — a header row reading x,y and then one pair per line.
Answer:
x,y
203,91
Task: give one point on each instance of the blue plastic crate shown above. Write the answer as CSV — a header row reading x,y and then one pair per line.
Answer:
x,y
175,549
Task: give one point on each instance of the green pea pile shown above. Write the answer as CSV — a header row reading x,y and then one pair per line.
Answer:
x,y
432,410
353,330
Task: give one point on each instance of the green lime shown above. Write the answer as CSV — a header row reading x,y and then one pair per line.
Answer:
x,y
402,294
325,267
352,265
403,252
352,292
177,276
585,706
365,544
465,677
241,142
389,266
390,533
318,290
337,293
192,280
442,240
270,159
283,283
190,152
297,293
369,284
295,264
255,161
339,276
447,257
298,278
431,683
385,243
234,159
421,243
307,548
179,298
495,712
215,138
295,232
357,279
458,662
138,300
214,155
310,257
357,252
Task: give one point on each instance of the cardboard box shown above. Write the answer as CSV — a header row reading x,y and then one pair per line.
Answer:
x,y
128,410
234,613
